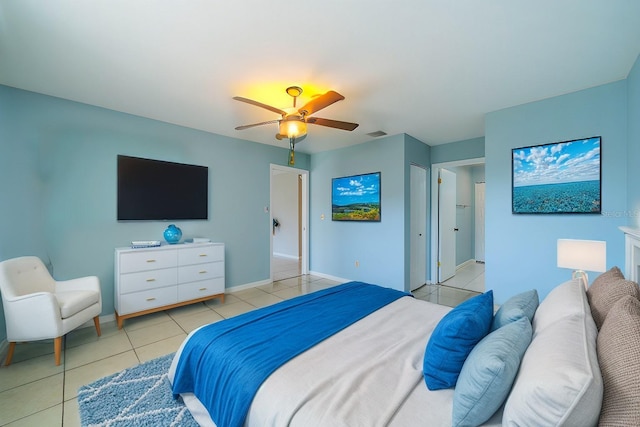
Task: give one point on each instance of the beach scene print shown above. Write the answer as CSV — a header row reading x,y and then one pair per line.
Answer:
x,y
356,198
563,177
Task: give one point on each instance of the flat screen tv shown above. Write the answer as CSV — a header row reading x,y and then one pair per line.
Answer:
x,y
159,190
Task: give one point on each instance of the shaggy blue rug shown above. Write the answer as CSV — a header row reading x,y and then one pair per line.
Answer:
x,y
138,396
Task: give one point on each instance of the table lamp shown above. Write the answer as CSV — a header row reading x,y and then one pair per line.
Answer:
x,y
582,256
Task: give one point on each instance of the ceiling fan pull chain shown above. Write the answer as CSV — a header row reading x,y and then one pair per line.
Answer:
x,y
292,146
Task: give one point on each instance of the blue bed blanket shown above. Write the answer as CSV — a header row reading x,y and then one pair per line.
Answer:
x,y
225,363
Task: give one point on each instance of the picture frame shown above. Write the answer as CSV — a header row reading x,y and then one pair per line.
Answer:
x,y
558,178
356,198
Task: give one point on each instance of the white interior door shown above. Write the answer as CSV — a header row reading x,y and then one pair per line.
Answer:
x,y
418,189
479,222
446,225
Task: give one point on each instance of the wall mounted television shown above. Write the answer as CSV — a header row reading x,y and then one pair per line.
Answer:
x,y
159,190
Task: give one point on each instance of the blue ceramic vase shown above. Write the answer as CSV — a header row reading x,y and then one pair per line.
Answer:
x,y
172,234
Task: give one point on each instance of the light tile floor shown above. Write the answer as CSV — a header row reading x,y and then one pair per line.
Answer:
x,y
35,392
284,268
467,282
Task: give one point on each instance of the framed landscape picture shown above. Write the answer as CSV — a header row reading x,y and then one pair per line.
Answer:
x,y
356,198
563,177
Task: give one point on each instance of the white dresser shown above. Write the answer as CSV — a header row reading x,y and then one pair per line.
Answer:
x,y
155,279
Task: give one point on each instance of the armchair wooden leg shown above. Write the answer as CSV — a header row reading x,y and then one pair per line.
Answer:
x,y
57,349
96,321
12,347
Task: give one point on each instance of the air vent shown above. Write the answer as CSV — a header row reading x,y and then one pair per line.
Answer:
x,y
377,134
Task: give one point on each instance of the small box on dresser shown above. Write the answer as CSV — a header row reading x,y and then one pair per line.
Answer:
x,y
159,278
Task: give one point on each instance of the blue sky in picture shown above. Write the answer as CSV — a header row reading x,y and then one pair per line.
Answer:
x,y
562,162
356,189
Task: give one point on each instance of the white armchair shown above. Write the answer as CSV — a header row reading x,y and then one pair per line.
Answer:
x,y
37,307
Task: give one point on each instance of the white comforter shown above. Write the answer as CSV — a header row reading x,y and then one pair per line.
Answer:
x,y
369,374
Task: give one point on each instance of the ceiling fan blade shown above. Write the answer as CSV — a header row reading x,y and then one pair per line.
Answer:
x,y
260,104
320,102
331,123
256,124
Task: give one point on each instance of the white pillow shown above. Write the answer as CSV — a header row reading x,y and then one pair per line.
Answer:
x,y
559,382
564,300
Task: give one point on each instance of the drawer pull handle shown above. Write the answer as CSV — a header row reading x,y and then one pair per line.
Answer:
x,y
151,299
203,289
151,260
151,280
203,255
202,271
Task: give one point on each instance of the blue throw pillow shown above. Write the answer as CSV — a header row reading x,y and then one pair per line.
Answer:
x,y
488,373
453,339
521,305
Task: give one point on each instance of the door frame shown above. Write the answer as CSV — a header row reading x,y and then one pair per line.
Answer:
x,y
447,224
424,198
303,202
435,167
476,188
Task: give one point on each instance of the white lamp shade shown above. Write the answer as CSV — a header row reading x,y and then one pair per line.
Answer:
x,y
587,255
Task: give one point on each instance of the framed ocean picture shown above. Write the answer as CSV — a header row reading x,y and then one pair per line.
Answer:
x,y
558,178
356,198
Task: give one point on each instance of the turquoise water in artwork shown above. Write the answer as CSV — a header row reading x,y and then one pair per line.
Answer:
x,y
571,197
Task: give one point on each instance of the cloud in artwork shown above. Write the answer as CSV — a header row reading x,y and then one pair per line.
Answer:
x,y
563,162
363,188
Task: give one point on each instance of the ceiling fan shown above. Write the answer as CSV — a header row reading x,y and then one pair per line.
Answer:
x,y
293,121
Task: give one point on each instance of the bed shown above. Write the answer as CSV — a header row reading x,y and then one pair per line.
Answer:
x,y
410,362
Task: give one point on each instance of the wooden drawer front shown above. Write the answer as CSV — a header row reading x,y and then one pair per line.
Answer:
x,y
199,254
192,273
147,260
143,280
145,300
201,289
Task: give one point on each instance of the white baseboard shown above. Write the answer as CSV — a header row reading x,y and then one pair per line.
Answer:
x,y
464,264
327,276
248,286
293,257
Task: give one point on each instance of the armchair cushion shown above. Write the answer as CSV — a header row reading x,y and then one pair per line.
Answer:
x,y
72,302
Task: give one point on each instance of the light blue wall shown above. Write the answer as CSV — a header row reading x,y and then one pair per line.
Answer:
x,y
521,249
459,150
21,210
633,157
379,247
59,181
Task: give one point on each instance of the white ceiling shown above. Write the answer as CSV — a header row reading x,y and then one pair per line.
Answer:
x,y
428,68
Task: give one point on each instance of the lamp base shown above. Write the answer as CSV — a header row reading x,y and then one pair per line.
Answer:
x,y
582,275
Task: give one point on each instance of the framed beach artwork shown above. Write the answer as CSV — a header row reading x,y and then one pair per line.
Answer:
x,y
356,198
563,177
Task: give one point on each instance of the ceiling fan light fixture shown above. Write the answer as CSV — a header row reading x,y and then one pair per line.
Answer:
x,y
292,127
294,91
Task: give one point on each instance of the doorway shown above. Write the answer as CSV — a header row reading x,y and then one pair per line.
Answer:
x,y
289,218
462,218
